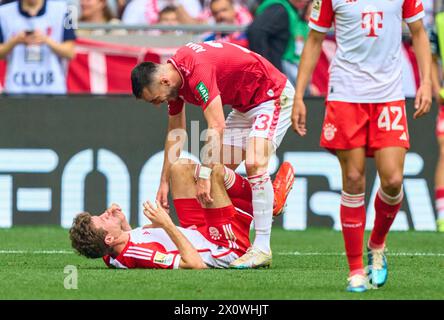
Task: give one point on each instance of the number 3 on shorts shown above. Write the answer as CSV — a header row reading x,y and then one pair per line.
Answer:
x,y
384,119
261,122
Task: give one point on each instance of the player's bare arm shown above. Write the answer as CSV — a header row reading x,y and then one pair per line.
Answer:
x,y
190,258
216,124
423,54
309,58
173,147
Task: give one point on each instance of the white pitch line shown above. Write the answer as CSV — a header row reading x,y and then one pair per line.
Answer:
x,y
35,252
399,254
295,253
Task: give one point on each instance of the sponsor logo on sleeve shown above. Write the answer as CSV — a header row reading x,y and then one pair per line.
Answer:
x,y
203,91
316,10
162,258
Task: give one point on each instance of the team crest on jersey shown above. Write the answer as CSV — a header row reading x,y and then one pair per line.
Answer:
x,y
214,233
329,131
316,10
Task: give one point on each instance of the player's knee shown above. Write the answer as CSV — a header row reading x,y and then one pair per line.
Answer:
x,y
354,182
255,168
392,184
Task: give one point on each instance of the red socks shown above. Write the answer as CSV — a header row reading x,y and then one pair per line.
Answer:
x,y
239,190
386,208
353,226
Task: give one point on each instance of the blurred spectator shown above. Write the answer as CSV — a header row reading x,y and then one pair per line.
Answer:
x,y
223,12
35,39
279,31
97,11
168,16
147,11
242,15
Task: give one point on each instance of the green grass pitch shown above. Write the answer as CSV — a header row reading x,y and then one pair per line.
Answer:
x,y
306,265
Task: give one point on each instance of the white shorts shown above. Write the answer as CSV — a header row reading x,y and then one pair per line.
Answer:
x,y
269,120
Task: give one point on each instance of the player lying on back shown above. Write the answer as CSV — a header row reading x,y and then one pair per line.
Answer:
x,y
213,236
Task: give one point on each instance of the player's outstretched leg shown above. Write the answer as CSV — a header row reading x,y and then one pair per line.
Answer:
x,y
282,185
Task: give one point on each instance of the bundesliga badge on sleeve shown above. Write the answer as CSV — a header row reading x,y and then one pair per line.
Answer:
x,y
316,9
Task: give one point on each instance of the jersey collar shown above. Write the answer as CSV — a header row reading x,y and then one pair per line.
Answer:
x,y
41,12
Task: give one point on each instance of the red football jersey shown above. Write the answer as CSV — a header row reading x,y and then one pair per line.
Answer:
x,y
242,78
152,248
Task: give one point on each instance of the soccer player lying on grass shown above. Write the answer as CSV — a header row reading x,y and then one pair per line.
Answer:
x,y
213,236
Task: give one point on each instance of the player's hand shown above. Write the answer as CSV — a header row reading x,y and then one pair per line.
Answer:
x,y
37,37
19,38
298,117
162,195
116,211
157,215
423,100
203,192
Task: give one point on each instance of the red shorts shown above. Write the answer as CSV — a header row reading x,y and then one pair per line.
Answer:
x,y
227,227
440,122
370,125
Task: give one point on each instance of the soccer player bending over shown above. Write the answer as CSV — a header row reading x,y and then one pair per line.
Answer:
x,y
211,75
211,236
365,113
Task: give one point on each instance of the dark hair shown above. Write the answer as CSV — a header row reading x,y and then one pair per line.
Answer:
x,y
142,76
86,239
167,9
